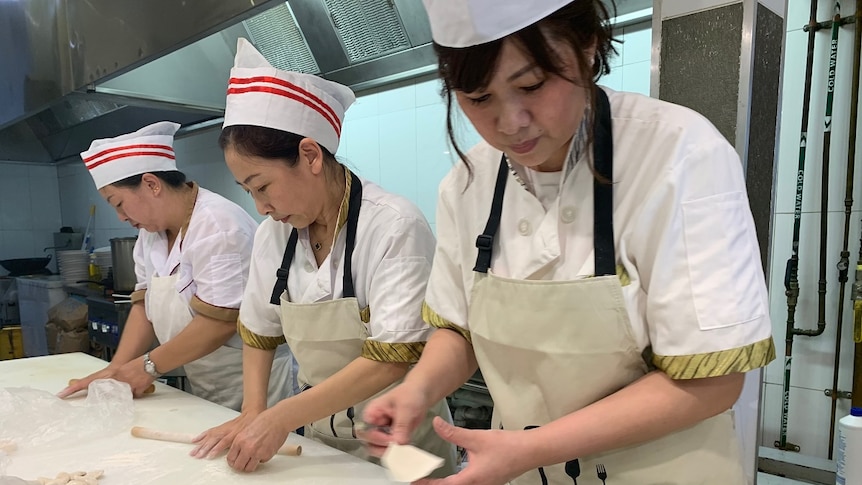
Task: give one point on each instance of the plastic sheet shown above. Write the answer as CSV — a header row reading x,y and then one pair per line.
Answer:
x,y
31,418
4,463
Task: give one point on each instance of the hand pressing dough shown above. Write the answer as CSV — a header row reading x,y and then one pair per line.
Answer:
x,y
74,478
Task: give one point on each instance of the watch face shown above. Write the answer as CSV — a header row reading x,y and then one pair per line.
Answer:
x,y
150,367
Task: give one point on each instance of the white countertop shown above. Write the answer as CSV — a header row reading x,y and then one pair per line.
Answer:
x,y
129,460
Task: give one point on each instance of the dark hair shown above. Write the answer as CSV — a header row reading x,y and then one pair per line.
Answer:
x,y
579,24
264,142
173,178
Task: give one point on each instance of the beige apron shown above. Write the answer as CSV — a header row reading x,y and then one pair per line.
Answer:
x,y
216,377
558,346
326,336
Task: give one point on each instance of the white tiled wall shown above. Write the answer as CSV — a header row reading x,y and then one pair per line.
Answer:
x,y
630,70
397,138
77,194
29,210
811,370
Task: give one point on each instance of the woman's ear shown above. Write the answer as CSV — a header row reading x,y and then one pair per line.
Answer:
x,y
151,183
311,155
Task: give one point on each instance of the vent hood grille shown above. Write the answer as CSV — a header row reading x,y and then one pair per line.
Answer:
x,y
368,29
275,34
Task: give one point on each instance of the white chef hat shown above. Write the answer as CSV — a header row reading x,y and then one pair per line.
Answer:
x,y
149,149
261,95
465,23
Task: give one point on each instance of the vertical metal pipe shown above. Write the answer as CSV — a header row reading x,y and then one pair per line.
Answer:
x,y
854,112
824,178
844,261
791,282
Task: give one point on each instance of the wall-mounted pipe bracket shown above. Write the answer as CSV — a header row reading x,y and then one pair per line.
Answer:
x,y
839,395
827,24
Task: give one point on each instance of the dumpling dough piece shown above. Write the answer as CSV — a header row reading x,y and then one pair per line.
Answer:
x,y
74,478
407,463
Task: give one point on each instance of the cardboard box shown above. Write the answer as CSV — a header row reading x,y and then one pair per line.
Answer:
x,y
11,343
73,341
51,332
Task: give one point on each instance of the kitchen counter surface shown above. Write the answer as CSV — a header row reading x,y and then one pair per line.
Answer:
x,y
129,460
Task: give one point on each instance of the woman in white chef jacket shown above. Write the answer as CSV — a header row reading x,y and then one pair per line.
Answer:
x,y
338,270
596,260
191,259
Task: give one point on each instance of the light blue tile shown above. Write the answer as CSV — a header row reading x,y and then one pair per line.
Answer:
x,y
364,107
15,195
636,77
45,199
396,99
397,133
428,93
434,159
42,171
13,170
70,169
614,80
20,244
638,44
431,128
203,141
362,140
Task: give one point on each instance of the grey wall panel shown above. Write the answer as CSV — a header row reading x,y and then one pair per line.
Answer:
x,y
700,64
763,122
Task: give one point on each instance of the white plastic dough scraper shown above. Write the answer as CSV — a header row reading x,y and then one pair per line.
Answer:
x,y
407,463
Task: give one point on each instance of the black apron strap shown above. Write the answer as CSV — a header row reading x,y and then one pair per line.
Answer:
x,y
354,203
284,270
603,191
603,198
485,241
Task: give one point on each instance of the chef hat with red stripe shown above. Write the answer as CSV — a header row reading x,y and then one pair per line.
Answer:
x,y
149,149
465,23
303,104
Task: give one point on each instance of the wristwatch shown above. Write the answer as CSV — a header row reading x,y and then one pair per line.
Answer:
x,y
150,366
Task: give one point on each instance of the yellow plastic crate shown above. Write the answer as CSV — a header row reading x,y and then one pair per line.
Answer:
x,y
11,343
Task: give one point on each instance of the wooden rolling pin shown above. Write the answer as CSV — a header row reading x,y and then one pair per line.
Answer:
x,y
152,434
148,390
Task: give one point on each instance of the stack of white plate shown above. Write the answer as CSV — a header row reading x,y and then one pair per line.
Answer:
x,y
103,260
74,265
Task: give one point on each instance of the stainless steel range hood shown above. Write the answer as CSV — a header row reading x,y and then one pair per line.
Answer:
x,y
84,69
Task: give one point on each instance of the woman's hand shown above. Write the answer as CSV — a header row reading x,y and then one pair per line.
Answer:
x,y
495,457
401,410
215,440
259,441
108,372
134,375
